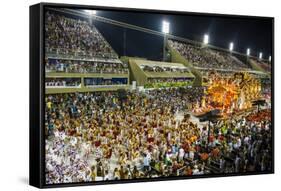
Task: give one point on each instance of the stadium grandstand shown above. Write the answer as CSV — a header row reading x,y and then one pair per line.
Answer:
x,y
79,59
153,74
261,64
115,117
202,57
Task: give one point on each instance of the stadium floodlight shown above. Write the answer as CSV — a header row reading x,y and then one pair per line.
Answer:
x,y
269,58
248,52
165,27
231,45
91,12
260,55
206,39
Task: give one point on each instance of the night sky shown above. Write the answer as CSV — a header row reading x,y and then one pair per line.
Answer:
x,y
253,33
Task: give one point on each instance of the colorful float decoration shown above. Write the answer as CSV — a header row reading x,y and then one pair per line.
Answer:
x,y
230,93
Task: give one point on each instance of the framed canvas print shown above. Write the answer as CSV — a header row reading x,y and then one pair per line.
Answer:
x,y
123,95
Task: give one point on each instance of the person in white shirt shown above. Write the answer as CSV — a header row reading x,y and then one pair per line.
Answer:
x,y
181,154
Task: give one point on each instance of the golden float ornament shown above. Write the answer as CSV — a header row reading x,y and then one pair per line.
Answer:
x,y
230,93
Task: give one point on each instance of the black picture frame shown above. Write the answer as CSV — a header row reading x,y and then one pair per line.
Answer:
x,y
37,93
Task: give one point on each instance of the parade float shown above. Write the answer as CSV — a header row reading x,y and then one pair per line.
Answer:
x,y
229,94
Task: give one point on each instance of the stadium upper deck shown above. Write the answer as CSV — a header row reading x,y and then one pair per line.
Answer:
x,y
74,38
78,58
208,58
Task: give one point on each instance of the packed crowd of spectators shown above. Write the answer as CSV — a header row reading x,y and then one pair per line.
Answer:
x,y
105,82
168,82
79,66
147,68
266,87
264,65
109,136
71,36
126,135
222,74
89,82
206,57
62,82
181,99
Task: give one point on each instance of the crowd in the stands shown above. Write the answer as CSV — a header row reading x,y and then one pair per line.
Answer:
x,y
168,82
74,37
207,58
265,65
62,82
105,82
80,66
147,68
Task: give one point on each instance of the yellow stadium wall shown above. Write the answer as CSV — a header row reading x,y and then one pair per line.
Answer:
x,y
137,74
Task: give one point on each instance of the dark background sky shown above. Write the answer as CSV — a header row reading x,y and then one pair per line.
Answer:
x,y
253,33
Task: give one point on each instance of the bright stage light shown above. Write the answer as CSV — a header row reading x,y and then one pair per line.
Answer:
x,y
165,27
269,58
260,55
206,39
248,52
91,12
231,45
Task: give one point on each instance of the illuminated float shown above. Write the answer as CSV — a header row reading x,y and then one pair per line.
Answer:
x,y
229,93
